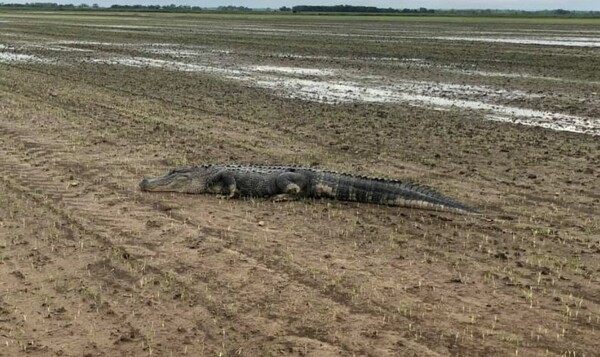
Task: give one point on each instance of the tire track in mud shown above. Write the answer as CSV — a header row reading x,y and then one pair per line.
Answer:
x,y
92,219
86,216
139,252
181,218
294,272
310,142
55,154
168,125
77,204
160,99
55,266
35,186
39,154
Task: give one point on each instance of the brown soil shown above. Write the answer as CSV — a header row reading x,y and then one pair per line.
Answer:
x,y
91,266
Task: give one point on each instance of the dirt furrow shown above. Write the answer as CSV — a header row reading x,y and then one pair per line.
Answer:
x,y
294,271
94,216
253,277
81,295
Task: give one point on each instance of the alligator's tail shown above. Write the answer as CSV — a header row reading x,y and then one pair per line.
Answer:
x,y
344,187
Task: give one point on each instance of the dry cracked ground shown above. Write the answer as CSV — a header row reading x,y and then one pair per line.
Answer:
x,y
501,114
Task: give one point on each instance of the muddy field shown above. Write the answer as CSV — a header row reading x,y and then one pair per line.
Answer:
x,y
500,114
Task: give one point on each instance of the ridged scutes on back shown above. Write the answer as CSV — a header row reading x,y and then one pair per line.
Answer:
x,y
402,189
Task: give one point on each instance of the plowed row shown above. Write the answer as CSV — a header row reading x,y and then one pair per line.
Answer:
x,y
91,266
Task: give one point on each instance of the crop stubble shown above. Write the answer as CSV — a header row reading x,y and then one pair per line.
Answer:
x,y
93,266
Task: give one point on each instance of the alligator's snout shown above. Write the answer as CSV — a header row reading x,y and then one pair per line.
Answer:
x,y
144,184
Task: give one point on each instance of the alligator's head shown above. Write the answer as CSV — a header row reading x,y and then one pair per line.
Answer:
x,y
184,180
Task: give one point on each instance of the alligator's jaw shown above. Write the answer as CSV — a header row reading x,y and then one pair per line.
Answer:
x,y
144,185
161,183
183,181
151,185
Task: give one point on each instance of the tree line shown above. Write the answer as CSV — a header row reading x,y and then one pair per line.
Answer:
x,y
172,7
352,8
49,5
307,9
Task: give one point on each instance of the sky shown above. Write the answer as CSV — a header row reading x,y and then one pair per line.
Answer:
x,y
430,4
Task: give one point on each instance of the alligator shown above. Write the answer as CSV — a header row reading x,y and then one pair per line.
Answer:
x,y
294,182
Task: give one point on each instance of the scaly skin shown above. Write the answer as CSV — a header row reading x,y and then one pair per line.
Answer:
x,y
292,182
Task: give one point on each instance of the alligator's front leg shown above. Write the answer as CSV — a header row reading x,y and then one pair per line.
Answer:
x,y
223,183
291,184
284,197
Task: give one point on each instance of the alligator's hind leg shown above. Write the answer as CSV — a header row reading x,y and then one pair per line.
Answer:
x,y
291,183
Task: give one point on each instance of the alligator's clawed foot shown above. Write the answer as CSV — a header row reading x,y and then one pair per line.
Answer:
x,y
284,197
292,188
228,196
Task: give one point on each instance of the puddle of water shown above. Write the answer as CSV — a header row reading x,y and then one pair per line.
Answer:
x,y
554,41
559,122
17,57
340,58
452,90
356,86
89,43
241,73
497,74
296,56
517,75
181,51
117,26
58,48
68,49
343,92
174,52
292,70
169,65
441,96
